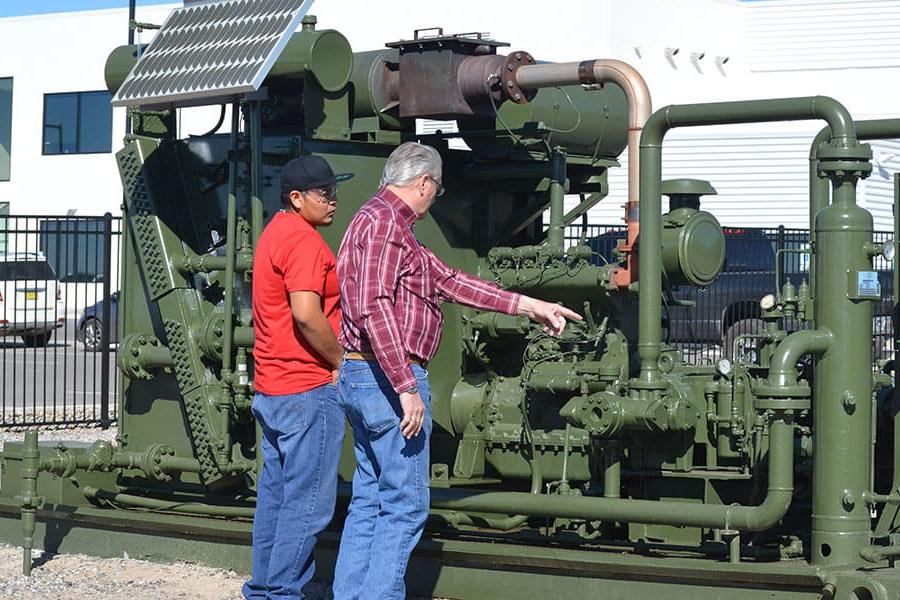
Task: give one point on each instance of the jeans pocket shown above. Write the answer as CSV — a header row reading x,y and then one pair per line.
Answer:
x,y
379,413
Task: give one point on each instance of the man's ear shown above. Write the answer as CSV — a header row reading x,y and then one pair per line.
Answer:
x,y
295,197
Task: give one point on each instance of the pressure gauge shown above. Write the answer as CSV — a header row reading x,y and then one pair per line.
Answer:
x,y
724,367
767,302
889,250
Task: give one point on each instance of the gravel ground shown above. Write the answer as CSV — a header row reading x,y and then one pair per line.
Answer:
x,y
80,577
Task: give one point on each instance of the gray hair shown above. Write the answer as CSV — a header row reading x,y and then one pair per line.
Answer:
x,y
409,161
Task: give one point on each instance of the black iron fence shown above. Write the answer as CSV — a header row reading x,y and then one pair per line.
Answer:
x,y
59,308
705,323
58,313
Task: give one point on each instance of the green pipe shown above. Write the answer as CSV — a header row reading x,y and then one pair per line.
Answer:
x,y
223,446
190,508
783,364
556,231
876,554
511,522
612,470
691,115
230,248
29,500
244,337
741,518
207,263
723,421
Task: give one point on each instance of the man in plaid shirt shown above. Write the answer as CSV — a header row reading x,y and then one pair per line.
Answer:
x,y
391,290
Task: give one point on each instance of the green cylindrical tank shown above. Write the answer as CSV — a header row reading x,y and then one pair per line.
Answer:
x,y
119,63
843,382
325,55
584,122
375,84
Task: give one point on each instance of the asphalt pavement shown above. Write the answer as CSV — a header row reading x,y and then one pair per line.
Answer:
x,y
60,382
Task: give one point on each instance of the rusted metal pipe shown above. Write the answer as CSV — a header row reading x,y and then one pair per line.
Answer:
x,y
588,72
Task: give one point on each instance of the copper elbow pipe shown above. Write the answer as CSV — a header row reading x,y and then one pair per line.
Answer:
x,y
529,77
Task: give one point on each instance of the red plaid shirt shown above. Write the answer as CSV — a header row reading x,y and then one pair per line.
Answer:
x,y
392,286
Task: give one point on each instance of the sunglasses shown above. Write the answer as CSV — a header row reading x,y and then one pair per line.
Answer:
x,y
327,195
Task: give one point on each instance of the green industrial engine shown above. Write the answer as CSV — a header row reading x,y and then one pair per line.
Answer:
x,y
594,465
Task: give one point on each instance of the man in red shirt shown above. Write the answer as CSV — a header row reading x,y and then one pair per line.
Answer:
x,y
296,315
391,290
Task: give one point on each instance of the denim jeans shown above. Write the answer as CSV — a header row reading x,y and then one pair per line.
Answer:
x,y
301,446
390,486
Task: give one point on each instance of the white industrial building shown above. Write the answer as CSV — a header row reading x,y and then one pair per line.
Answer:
x,y
688,51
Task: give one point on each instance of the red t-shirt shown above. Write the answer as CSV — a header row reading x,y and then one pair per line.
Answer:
x,y
291,257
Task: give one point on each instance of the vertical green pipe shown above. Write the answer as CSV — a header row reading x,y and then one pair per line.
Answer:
x,y
612,470
223,451
556,230
843,382
230,246
689,115
818,198
29,499
724,426
256,206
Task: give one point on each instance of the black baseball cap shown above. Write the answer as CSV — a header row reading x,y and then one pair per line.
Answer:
x,y
309,172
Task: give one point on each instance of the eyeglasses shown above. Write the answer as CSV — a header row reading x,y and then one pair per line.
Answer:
x,y
440,186
326,195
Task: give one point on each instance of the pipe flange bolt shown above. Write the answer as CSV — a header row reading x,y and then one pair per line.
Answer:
x,y
130,360
842,160
154,459
511,89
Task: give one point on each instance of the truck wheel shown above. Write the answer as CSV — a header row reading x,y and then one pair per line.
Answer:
x,y
748,348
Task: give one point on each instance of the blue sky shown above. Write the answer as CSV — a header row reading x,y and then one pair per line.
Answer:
x,y
14,8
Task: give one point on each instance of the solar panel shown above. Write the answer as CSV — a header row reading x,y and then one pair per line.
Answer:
x,y
211,53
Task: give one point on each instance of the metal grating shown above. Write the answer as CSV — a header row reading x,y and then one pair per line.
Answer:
x,y
209,53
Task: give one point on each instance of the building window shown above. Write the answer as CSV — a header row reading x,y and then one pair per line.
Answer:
x,y
77,123
74,247
6,88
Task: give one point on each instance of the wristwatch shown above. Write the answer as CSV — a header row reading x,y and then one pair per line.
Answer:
x,y
413,390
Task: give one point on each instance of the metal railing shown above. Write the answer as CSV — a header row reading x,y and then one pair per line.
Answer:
x,y
704,323
58,314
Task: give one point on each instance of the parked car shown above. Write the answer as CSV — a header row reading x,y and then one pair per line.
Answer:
x,y
89,328
30,298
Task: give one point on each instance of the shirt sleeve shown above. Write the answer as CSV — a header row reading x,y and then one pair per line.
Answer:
x,y
463,288
381,256
304,265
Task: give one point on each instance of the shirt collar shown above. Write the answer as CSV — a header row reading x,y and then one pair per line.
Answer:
x,y
291,214
407,215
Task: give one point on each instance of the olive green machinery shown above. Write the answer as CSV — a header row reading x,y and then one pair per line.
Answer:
x,y
596,464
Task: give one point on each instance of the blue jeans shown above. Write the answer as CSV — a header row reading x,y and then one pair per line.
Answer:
x,y
301,446
390,486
